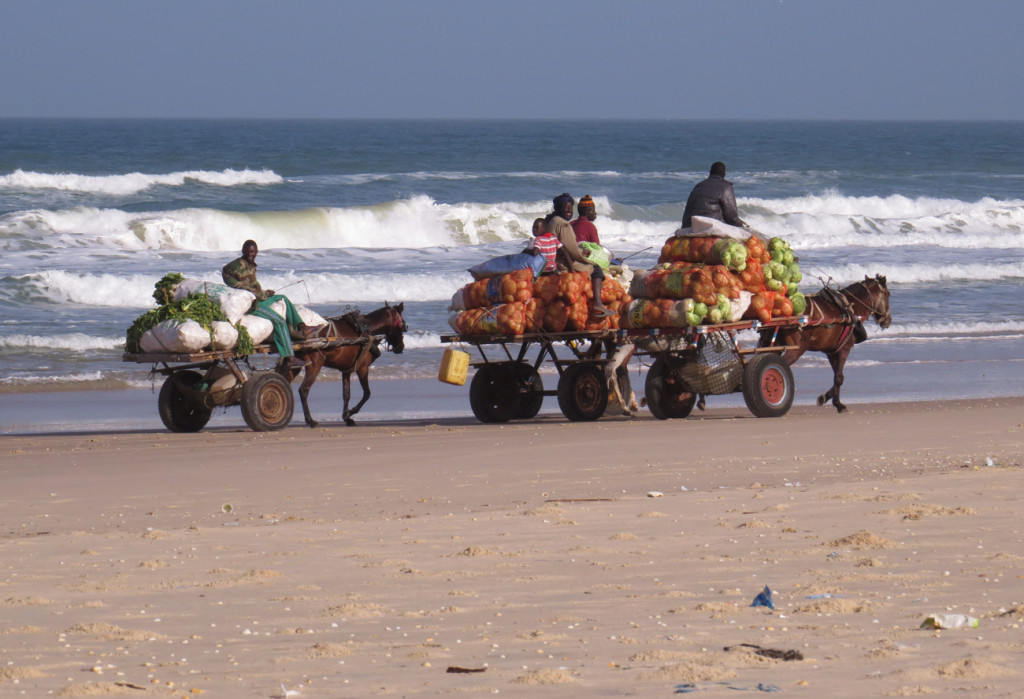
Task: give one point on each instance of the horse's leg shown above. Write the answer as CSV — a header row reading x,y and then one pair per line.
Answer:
x,y
346,393
312,372
837,360
363,372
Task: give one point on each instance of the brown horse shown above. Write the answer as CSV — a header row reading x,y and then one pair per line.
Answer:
x,y
384,323
835,327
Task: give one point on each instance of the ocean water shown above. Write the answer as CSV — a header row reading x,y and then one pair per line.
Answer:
x,y
353,213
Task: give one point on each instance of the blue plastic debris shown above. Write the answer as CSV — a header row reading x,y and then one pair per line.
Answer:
x,y
764,599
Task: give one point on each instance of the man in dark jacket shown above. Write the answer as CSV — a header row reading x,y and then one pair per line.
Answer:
x,y
713,198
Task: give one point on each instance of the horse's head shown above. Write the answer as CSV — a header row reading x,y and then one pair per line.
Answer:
x,y
878,300
389,320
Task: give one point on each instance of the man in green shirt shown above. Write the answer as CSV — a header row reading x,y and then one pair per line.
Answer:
x,y
241,274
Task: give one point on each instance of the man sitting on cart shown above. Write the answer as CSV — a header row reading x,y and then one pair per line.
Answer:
x,y
570,257
241,274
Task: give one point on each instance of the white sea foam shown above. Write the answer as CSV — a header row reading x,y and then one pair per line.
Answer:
x,y
76,342
904,273
418,222
111,290
130,183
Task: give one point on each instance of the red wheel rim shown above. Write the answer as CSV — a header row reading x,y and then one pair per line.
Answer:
x,y
773,386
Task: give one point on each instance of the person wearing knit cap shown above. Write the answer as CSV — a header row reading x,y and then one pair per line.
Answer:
x,y
570,257
583,226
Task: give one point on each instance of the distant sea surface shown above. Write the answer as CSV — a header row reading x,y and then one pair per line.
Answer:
x,y
353,213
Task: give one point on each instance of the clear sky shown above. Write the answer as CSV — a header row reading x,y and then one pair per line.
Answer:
x,y
644,59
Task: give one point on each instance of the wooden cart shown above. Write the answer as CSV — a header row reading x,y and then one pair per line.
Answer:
x,y
688,363
197,383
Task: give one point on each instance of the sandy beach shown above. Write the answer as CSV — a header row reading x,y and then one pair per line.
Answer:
x,y
540,559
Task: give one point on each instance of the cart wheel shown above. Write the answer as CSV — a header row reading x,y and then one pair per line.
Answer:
x,y
180,411
668,396
267,402
768,386
531,395
494,393
583,392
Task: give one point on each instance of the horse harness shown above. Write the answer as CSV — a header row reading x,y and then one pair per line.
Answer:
x,y
850,321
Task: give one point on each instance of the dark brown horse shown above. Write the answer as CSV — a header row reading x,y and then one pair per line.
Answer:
x,y
385,324
836,317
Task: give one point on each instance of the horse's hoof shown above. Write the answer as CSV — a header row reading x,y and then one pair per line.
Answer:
x,y
313,423
840,409
350,422
821,400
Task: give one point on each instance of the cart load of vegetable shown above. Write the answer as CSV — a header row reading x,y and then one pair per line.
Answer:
x,y
682,280
553,303
508,288
172,325
728,252
701,268
505,319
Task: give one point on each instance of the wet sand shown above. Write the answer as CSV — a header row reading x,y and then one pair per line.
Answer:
x,y
546,558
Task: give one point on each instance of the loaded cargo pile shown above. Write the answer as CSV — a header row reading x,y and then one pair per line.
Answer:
x,y
518,303
715,278
707,275
194,316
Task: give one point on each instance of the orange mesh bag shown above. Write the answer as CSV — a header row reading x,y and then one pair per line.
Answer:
x,y
761,305
546,287
556,315
533,312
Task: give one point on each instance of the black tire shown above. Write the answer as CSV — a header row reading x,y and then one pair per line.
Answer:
x,y
267,402
668,396
494,393
180,408
583,392
768,385
531,396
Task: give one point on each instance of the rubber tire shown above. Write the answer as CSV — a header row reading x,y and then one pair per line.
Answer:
x,y
178,410
267,402
583,392
665,399
494,393
530,401
768,385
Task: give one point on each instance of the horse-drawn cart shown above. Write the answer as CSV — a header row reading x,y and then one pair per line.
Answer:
x,y
198,382
688,363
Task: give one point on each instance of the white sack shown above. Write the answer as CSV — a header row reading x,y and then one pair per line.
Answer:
x,y
704,227
308,315
175,337
234,303
458,302
225,336
259,328
740,305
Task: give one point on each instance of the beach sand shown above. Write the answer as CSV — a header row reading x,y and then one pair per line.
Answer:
x,y
539,559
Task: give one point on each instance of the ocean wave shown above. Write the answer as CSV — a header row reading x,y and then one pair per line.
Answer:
x,y
134,182
75,342
136,290
911,273
808,223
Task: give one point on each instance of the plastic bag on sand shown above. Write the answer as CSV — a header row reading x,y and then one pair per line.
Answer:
x,y
233,302
259,328
175,337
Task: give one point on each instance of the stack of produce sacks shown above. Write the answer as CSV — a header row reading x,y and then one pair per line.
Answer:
x,y
715,278
194,315
517,303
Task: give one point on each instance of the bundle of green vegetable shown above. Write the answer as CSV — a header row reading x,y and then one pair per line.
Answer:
x,y
198,307
731,252
783,272
721,312
694,311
